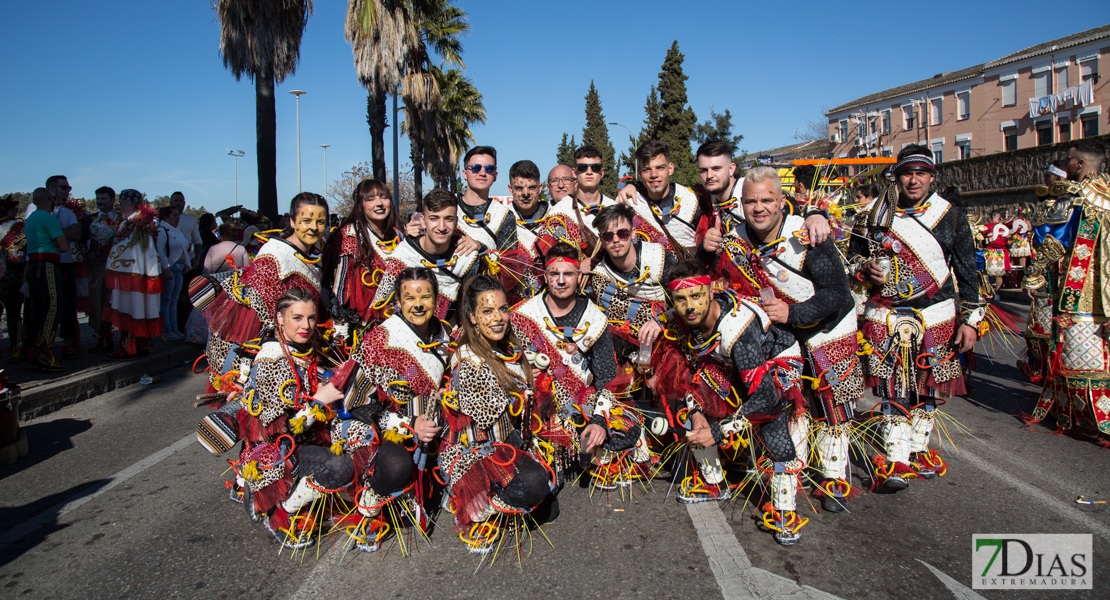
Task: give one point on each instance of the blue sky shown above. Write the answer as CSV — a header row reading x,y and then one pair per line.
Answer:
x,y
134,94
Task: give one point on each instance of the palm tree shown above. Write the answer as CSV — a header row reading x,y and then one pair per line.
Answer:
x,y
460,106
381,34
438,26
262,39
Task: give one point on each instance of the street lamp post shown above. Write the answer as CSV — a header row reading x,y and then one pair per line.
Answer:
x,y
631,138
237,154
325,147
298,94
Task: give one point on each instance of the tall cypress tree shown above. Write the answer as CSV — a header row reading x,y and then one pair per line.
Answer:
x,y
596,134
564,155
652,110
676,119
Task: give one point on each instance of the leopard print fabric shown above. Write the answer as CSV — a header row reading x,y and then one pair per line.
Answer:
x,y
481,398
275,385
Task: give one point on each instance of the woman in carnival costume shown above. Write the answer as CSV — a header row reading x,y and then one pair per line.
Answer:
x,y
240,305
281,415
355,259
133,275
393,381
487,409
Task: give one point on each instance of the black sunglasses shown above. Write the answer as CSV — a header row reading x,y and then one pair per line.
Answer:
x,y
490,169
583,167
623,234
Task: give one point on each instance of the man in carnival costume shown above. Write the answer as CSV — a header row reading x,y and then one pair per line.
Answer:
x,y
571,219
451,257
490,222
627,281
530,210
667,213
997,250
134,276
915,248
722,370
804,290
567,339
1072,267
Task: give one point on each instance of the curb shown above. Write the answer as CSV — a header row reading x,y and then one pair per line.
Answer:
x,y
46,398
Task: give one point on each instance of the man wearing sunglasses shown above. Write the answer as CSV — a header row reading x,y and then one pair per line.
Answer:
x,y
669,213
572,334
490,223
628,280
576,212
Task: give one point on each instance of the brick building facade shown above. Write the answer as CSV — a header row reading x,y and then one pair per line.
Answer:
x,y
1048,93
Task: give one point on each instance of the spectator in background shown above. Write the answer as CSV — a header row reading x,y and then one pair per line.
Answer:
x,y
45,243
175,255
216,259
208,235
101,230
13,252
135,279
189,227
71,228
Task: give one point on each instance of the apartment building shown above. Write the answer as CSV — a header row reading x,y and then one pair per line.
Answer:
x,y
1048,93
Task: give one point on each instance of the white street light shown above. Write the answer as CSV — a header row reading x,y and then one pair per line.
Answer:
x,y
237,154
325,147
298,94
632,138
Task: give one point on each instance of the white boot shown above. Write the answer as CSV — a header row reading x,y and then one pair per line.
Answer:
x,y
303,494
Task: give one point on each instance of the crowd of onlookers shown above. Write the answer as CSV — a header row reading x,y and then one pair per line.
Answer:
x,y
60,259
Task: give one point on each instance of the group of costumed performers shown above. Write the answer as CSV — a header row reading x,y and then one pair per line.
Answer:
x,y
1070,284
722,319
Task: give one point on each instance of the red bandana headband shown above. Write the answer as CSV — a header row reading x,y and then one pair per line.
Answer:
x,y
681,284
569,261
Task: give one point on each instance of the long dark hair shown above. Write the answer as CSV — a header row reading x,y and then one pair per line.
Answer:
x,y
358,218
478,344
303,199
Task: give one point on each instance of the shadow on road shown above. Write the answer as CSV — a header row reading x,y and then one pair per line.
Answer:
x,y
47,440
48,507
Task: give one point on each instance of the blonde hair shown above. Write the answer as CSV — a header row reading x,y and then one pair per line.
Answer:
x,y
760,174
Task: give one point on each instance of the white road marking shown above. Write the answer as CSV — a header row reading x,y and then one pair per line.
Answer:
x,y
77,500
731,567
959,590
1064,509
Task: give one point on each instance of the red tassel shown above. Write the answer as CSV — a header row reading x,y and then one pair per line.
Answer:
x,y
471,492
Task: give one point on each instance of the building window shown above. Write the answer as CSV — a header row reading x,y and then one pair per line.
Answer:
x,y
965,150
886,122
1044,133
937,105
1065,131
1009,93
842,128
1062,78
938,155
907,117
1090,126
1043,83
886,152
963,106
861,129
1088,69
1011,135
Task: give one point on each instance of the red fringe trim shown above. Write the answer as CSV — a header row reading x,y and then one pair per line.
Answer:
x,y
272,495
143,328
471,492
339,376
132,282
232,321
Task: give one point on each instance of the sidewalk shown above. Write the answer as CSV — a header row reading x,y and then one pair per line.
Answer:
x,y
89,375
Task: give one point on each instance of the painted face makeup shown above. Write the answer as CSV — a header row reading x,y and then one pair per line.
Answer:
x,y
562,280
298,322
417,303
310,223
491,315
692,304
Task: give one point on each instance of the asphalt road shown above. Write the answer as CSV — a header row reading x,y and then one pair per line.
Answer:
x,y
115,501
